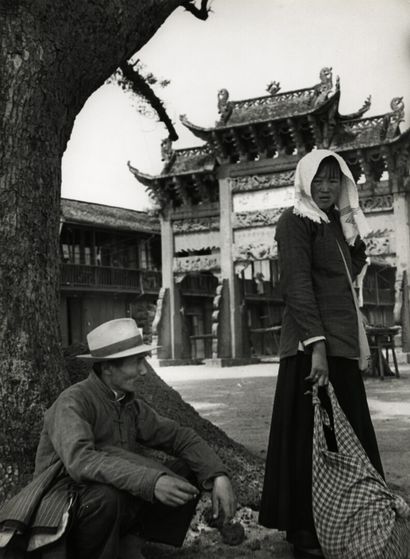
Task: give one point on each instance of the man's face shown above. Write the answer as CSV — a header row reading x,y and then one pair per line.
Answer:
x,y
123,376
325,186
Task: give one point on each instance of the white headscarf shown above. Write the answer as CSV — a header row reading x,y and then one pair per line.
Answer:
x,y
352,218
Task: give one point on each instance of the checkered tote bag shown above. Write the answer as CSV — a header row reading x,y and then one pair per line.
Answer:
x,y
356,515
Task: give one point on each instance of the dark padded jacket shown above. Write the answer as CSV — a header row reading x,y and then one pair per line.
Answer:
x,y
93,438
314,284
96,439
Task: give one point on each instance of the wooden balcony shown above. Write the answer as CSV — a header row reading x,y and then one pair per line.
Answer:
x,y
105,278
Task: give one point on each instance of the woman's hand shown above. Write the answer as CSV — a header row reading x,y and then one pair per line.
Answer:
x,y
319,372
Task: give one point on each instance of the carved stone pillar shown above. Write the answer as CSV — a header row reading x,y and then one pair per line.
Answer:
x,y
401,206
171,333
230,330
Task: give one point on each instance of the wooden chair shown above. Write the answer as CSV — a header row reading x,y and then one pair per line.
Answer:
x,y
382,337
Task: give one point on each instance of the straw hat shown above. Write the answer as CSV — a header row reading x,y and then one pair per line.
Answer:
x,y
115,339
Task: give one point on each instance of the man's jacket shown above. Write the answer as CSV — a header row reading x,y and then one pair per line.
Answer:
x,y
315,286
93,435
93,438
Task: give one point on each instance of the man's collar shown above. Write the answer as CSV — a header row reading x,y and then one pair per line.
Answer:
x,y
106,392
118,396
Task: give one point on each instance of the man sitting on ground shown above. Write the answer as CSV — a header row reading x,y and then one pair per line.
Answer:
x,y
90,449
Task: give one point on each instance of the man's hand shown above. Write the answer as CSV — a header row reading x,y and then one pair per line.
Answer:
x,y
223,498
319,372
174,491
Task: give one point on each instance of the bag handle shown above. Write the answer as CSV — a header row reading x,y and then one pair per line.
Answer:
x,y
346,440
364,350
321,418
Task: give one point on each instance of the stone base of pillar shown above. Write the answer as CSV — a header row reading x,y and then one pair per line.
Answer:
x,y
231,362
403,357
178,362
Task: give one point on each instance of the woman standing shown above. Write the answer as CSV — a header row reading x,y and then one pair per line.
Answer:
x,y
319,340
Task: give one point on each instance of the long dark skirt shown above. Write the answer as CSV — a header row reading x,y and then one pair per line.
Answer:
x,y
287,491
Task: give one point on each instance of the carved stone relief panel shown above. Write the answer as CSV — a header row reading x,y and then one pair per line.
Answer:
x,y
256,218
256,235
263,199
377,246
380,203
262,182
254,251
380,242
196,241
254,244
378,221
196,224
203,263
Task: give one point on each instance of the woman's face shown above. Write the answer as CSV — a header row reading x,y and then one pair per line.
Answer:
x,y
326,184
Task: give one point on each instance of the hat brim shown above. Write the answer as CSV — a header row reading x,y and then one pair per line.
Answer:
x,y
144,348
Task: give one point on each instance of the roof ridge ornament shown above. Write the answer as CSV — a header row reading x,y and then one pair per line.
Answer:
x,y
397,106
224,106
363,109
167,153
325,87
166,149
273,87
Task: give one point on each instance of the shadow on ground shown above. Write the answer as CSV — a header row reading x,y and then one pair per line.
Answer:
x,y
242,407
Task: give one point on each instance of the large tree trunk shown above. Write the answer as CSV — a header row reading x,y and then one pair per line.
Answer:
x,y
54,54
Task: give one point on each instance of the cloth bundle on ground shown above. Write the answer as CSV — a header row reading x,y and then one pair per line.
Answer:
x,y
356,515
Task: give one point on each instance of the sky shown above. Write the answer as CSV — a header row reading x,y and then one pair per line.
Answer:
x,y
243,46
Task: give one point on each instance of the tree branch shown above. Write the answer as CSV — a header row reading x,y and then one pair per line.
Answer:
x,y
139,85
200,13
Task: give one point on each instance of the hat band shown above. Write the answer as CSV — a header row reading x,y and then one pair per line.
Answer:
x,y
122,345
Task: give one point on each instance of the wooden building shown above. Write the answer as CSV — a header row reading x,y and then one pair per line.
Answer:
x,y
110,267
220,204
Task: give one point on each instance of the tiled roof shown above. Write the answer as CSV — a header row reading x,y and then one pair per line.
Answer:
x,y
264,109
275,107
86,213
192,159
366,132
181,162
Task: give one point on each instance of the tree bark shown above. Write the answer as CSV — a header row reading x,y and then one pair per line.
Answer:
x,y
54,54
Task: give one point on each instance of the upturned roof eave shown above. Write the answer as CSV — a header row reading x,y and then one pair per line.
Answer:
x,y
360,119
148,180
143,178
390,141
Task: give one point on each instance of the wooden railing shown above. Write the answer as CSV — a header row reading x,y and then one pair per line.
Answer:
x,y
262,290
105,277
265,341
199,284
378,296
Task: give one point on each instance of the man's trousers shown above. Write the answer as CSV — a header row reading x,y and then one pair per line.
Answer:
x,y
103,514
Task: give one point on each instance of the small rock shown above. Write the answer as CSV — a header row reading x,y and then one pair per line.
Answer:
x,y
232,533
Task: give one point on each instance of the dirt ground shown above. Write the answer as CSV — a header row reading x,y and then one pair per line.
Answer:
x,y
240,402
